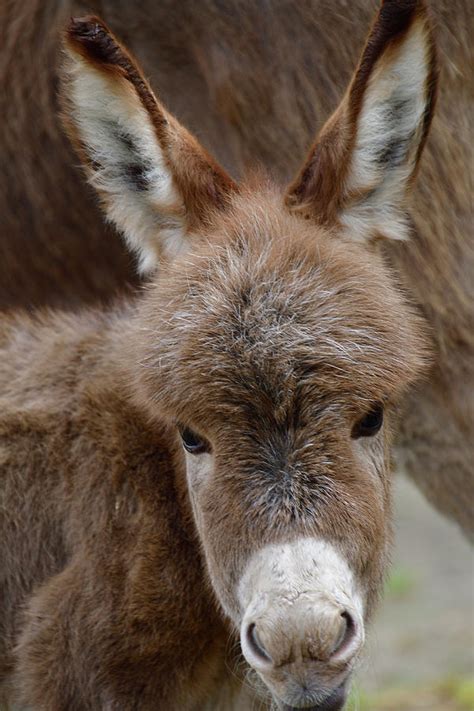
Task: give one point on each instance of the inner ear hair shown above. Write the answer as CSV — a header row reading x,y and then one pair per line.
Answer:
x,y
156,183
91,38
366,157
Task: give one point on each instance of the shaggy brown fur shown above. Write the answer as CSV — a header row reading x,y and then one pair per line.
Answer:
x,y
260,334
112,539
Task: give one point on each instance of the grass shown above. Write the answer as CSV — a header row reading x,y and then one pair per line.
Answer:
x,y
401,583
452,694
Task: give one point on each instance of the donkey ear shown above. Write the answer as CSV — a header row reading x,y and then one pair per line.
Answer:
x,y
359,170
156,182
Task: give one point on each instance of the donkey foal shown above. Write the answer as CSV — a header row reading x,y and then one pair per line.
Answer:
x,y
213,456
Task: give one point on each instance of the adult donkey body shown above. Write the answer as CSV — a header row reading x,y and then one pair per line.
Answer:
x,y
236,75
212,457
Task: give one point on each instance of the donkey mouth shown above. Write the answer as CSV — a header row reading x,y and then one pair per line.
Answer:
x,y
334,702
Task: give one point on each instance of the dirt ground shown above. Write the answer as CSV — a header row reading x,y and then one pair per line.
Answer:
x,y
421,646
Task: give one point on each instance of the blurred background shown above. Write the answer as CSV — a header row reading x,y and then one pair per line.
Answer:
x,y
420,653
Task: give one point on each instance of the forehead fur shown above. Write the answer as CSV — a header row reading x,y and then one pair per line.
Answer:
x,y
266,306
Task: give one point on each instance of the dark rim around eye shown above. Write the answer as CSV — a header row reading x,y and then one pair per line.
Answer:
x,y
192,442
370,424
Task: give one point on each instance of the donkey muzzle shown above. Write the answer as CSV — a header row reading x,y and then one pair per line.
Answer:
x,y
302,626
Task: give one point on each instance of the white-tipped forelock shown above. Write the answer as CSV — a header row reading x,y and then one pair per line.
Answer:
x,y
118,135
390,123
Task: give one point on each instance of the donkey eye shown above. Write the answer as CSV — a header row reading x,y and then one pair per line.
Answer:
x,y
192,442
369,425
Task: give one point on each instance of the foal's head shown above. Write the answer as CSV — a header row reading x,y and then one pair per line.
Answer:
x,y
275,337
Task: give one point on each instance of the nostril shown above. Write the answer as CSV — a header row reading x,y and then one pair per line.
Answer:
x,y
255,644
345,644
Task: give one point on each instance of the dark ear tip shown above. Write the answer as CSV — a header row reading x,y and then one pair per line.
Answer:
x,y
93,39
404,5
397,15
87,28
